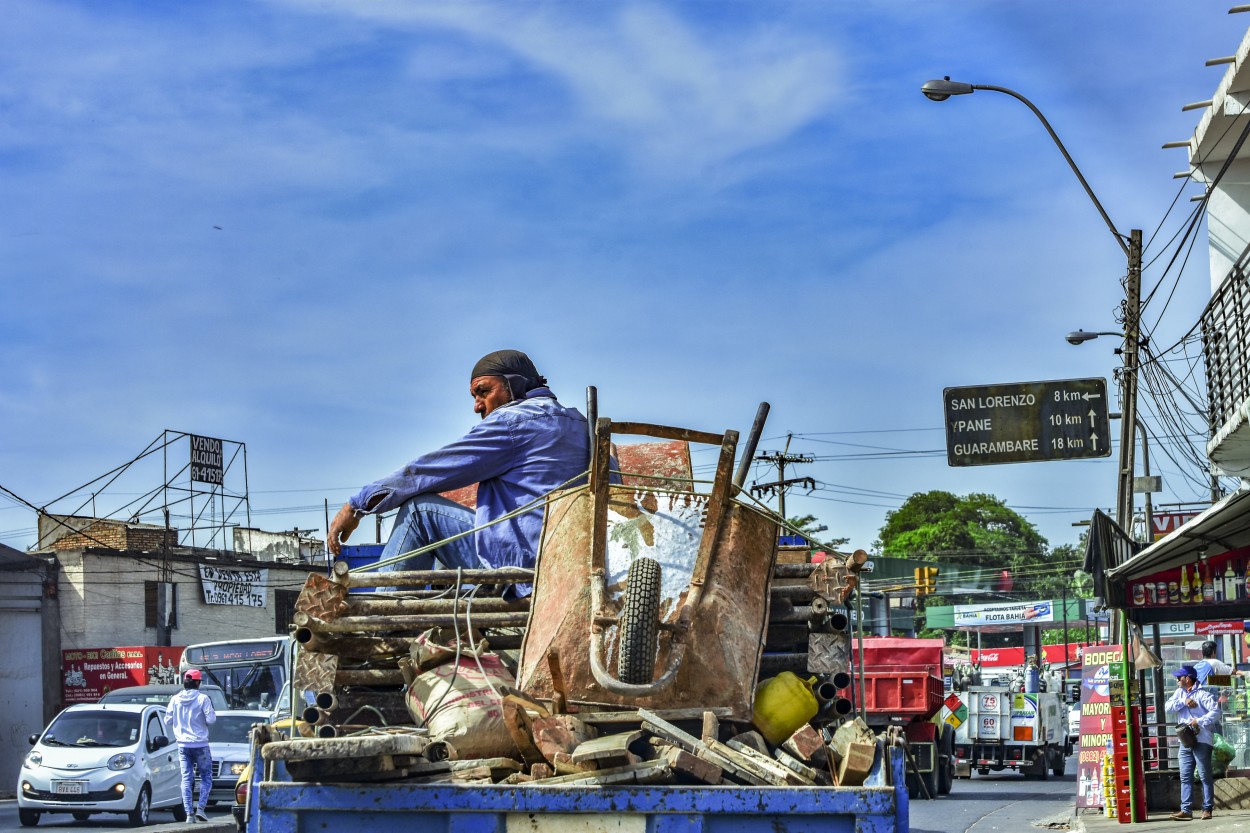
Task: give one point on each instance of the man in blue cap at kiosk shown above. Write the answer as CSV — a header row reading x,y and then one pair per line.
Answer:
x,y
1197,711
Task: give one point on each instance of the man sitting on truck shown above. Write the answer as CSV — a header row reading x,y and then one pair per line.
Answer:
x,y
526,445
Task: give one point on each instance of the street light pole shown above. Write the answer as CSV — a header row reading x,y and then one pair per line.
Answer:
x,y
944,89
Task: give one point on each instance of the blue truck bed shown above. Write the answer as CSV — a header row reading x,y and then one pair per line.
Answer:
x,y
293,807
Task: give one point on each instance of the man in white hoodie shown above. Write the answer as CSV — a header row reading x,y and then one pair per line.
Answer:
x,y
189,714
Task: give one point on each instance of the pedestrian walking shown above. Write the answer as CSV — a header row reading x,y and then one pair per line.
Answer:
x,y
189,715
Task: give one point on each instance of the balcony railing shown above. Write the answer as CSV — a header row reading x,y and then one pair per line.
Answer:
x,y
1225,327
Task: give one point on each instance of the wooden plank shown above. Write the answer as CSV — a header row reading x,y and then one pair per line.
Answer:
x,y
658,726
354,747
761,765
795,765
518,723
649,772
684,763
475,775
711,726
633,715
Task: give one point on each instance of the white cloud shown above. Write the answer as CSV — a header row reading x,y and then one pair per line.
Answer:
x,y
671,95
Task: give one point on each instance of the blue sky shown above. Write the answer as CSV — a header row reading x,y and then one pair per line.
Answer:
x,y
296,225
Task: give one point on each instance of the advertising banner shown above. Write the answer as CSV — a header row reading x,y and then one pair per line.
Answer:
x,y
1101,664
1004,614
1014,657
1219,628
87,674
233,586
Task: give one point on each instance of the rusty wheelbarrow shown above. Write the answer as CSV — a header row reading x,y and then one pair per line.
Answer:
x,y
665,585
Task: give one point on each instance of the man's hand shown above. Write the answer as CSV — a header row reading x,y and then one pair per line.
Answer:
x,y
341,528
1191,702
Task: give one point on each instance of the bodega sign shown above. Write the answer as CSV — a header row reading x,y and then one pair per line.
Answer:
x,y
233,586
206,460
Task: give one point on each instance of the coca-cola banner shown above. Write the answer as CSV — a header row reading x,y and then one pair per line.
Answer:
x,y
1006,657
87,674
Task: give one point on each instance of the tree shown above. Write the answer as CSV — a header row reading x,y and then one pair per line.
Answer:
x,y
977,531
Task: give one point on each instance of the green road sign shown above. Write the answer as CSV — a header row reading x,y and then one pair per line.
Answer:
x,y
1027,422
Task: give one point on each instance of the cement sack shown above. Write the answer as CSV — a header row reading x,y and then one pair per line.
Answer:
x,y
456,696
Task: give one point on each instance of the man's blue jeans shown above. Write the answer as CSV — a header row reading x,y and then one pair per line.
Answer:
x,y
425,519
195,760
1199,756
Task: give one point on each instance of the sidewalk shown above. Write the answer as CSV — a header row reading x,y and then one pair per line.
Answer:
x,y
1224,821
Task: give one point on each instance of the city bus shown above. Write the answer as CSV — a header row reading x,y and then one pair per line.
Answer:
x,y
252,672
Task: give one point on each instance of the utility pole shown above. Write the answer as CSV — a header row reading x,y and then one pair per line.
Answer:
x,y
781,460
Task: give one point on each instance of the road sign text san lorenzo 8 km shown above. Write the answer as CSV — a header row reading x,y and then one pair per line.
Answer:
x,y
1027,422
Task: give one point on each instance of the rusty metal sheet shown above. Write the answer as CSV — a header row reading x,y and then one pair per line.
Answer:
x,y
322,598
726,636
667,460
315,672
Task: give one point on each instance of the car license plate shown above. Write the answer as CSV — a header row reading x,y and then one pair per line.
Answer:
x,y
69,787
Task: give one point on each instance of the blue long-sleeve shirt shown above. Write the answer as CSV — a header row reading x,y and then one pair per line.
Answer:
x,y
519,452
1206,711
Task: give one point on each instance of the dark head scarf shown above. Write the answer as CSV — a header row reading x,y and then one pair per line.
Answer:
x,y
514,366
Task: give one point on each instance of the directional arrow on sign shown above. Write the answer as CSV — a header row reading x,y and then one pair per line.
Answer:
x,y
1089,396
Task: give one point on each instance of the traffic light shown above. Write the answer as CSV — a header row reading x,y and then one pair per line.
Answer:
x,y
926,580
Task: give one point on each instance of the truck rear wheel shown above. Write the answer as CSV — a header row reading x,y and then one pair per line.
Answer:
x,y
639,623
1060,762
930,778
946,760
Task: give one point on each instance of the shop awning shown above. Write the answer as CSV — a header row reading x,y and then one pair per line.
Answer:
x,y
1223,527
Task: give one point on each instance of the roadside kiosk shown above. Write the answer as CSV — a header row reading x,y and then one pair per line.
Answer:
x,y
1186,588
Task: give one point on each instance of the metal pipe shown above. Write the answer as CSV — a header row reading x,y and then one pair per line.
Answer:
x,y
382,624
405,578
753,441
327,731
399,607
326,700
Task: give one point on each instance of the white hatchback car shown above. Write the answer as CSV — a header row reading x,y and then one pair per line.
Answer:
x,y
100,758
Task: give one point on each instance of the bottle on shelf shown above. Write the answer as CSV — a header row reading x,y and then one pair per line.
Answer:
x,y
1184,584
1230,582
1239,582
1208,589
1219,584
1195,586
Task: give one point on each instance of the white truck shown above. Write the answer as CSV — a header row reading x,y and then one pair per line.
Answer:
x,y
1001,727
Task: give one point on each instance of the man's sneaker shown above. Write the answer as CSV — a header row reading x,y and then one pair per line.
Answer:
x,y
199,816
1206,814
191,818
1183,815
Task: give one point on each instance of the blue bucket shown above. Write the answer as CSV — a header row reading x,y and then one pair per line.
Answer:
x,y
360,555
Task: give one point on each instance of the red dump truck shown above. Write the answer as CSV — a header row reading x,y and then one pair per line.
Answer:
x,y
902,687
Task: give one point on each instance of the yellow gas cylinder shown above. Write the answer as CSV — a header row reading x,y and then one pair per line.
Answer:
x,y
782,705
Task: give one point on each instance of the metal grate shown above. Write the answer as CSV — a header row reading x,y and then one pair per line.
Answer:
x,y
1225,327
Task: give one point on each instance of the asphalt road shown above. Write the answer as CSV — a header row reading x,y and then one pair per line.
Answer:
x,y
104,821
998,801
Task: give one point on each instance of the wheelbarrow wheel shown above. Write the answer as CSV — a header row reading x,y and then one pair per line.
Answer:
x,y
639,622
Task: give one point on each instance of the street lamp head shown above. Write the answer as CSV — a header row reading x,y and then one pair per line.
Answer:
x,y
944,89
1081,336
